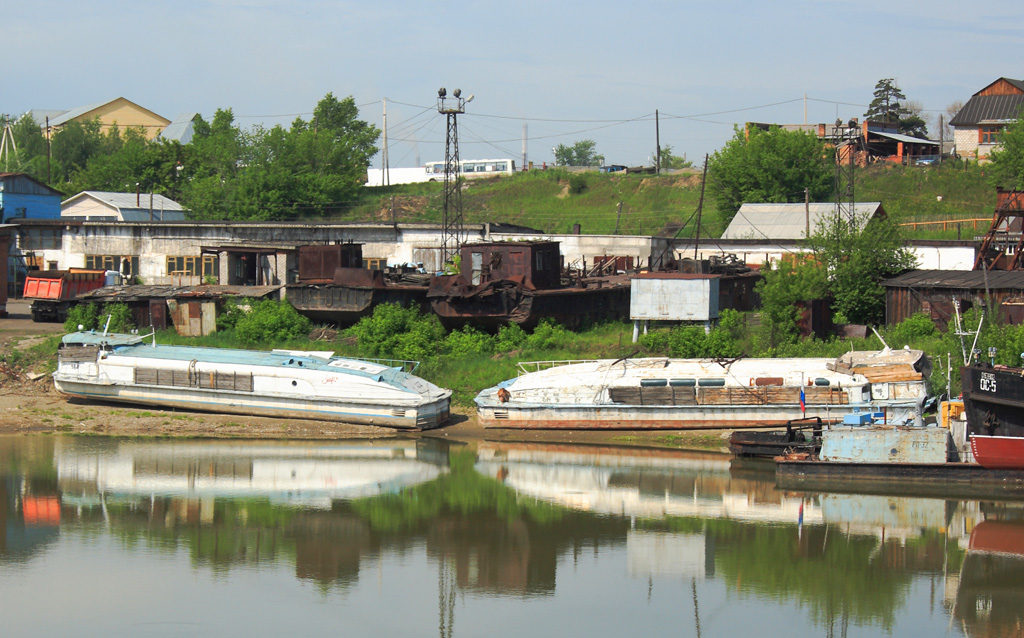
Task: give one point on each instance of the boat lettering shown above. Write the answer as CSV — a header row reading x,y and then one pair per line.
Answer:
x,y
330,380
987,383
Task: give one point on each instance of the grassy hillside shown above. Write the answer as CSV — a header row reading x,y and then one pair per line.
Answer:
x,y
554,200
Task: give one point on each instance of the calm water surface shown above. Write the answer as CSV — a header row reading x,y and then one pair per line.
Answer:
x,y
106,537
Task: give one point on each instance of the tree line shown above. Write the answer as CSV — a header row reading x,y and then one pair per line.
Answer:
x,y
311,169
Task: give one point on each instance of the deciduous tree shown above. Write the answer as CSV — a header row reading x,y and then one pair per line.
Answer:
x,y
1007,168
769,166
582,153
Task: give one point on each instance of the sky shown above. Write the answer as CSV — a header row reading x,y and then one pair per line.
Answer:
x,y
552,72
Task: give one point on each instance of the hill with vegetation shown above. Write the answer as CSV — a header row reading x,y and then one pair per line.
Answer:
x,y
554,200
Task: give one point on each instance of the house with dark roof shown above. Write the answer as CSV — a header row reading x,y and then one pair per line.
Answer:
x,y
978,125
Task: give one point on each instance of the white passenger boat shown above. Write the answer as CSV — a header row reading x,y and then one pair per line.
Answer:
x,y
887,386
279,383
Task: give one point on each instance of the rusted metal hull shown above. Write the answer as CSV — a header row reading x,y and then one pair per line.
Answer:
x,y
500,305
339,304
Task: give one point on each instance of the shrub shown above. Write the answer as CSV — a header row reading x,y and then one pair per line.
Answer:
x,y
120,315
271,321
396,332
577,183
547,334
917,326
511,337
467,341
82,314
91,317
655,341
233,309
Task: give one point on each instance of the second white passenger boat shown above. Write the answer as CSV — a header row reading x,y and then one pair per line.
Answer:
x,y
279,383
634,394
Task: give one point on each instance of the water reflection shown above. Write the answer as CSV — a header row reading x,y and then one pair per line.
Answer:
x,y
501,521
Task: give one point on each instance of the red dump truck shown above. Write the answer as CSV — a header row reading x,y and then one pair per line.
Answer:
x,y
52,292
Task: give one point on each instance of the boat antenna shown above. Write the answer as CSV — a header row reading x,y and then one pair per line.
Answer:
x,y
962,332
884,344
107,325
628,356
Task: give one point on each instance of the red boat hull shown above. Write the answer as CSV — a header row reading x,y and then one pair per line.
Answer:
x,y
998,452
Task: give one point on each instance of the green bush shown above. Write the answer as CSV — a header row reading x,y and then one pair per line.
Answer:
x,y
511,337
120,315
233,309
82,314
270,321
92,317
577,183
468,341
548,334
655,341
917,326
395,332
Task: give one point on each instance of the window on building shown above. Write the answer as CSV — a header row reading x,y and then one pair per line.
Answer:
x,y
990,134
187,266
127,265
211,266
375,263
40,239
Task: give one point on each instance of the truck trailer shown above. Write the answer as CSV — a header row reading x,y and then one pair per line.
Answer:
x,y
53,292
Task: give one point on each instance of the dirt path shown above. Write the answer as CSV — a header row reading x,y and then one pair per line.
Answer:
x,y
33,406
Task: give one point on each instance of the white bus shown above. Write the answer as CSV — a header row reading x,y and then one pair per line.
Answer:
x,y
472,168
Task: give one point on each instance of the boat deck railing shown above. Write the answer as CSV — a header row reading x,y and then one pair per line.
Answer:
x,y
406,366
526,367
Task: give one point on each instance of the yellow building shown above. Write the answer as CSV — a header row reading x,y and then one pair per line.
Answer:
x,y
118,112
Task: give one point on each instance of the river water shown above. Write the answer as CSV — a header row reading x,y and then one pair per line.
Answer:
x,y
411,537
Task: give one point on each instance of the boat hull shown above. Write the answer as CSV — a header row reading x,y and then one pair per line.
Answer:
x,y
641,417
414,418
998,452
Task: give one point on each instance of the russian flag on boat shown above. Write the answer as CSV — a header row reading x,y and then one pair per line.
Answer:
x,y
803,405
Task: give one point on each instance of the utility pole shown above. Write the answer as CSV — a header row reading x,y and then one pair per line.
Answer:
x,y
522,166
807,212
657,143
386,173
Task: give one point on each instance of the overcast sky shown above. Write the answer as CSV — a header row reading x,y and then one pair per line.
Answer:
x,y
567,70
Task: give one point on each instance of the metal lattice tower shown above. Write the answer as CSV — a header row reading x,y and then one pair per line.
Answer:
x,y
847,138
452,234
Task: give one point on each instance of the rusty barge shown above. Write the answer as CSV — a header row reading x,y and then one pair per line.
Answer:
x,y
334,286
523,282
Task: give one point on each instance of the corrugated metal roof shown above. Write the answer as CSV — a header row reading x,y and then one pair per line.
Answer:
x,y
137,293
959,279
181,129
128,201
988,108
906,139
67,116
788,221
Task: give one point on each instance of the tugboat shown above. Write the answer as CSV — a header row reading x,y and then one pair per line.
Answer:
x,y
994,403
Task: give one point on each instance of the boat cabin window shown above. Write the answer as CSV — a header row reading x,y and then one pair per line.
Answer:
x,y
653,383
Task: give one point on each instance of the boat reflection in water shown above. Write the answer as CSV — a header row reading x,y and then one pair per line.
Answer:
x,y
636,539
990,586
307,474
